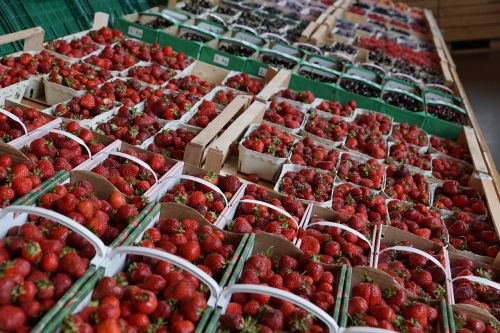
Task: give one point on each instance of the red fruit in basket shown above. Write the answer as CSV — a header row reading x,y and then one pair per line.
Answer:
x,y
336,108
300,96
12,318
418,312
284,114
368,174
409,134
333,129
22,185
450,148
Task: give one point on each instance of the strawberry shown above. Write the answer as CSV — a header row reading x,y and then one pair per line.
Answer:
x,y
305,96
408,154
333,129
307,184
337,109
284,114
450,148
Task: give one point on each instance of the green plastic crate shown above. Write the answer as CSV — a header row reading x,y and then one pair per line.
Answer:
x,y
402,115
115,8
319,89
6,48
54,16
442,128
344,96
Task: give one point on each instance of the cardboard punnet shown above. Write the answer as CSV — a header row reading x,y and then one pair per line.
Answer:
x,y
359,274
218,151
191,173
196,149
101,251
276,247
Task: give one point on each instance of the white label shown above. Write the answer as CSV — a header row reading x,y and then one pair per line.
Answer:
x,y
262,71
135,32
221,60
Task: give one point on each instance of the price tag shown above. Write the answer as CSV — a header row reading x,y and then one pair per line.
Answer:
x,y
262,71
135,32
221,60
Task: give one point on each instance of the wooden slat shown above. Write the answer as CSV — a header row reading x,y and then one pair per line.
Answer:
x,y
472,33
470,10
465,20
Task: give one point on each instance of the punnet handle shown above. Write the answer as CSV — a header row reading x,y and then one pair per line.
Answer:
x,y
101,249
225,297
275,36
440,86
417,251
314,47
218,18
15,118
136,160
363,330
343,227
204,182
215,290
480,280
68,135
245,28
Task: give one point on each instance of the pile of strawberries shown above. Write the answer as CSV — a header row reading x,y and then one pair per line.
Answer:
x,y
104,217
307,153
337,109
168,106
76,48
349,199
451,196
468,324
244,82
368,173
172,142
262,313
250,217
40,260
199,244
269,140
223,97
469,234
166,57
467,292
303,276
130,126
207,111
30,117
409,154
137,49
153,74
284,114
336,246
374,121
191,84
60,151
147,295
409,134
451,148
132,179
17,180
80,76
87,106
403,184
205,200
448,169
307,184
306,96
415,272
366,141
113,58
106,36
129,92
389,309
333,129
417,219
20,68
